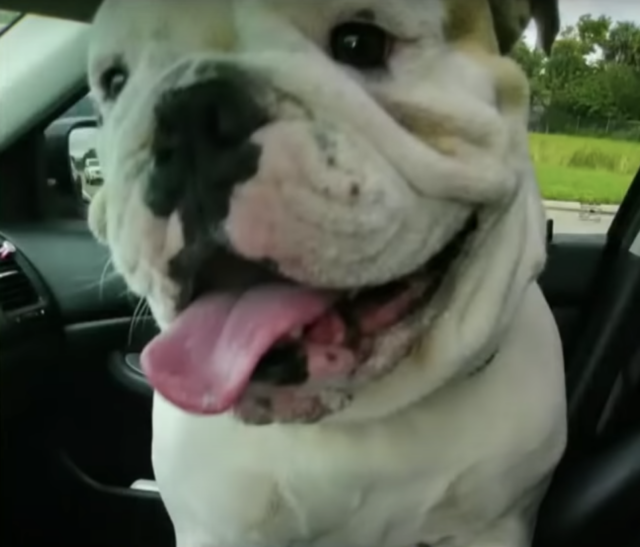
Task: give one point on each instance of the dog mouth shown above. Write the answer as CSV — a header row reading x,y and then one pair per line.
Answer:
x,y
247,326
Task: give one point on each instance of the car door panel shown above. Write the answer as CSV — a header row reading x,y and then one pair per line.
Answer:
x,y
568,278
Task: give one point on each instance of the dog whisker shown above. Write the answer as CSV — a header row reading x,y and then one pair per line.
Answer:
x,y
139,312
105,276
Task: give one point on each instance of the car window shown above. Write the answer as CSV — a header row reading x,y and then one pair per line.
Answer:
x,y
82,150
7,18
584,116
585,113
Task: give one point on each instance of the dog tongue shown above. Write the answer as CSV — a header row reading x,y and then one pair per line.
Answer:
x,y
205,360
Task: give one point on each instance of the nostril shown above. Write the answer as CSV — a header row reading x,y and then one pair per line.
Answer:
x,y
167,134
224,112
211,123
165,148
201,145
164,154
164,151
218,112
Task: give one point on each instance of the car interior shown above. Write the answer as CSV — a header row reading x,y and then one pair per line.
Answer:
x,y
76,409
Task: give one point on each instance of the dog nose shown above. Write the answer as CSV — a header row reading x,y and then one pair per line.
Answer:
x,y
201,144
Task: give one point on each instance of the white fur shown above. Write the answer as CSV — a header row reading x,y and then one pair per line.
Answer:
x,y
457,466
430,452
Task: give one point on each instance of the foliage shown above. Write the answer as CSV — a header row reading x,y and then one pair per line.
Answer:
x,y
581,169
593,72
585,186
617,157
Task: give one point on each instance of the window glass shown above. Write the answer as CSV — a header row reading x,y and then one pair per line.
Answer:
x,y
6,18
584,115
585,112
82,149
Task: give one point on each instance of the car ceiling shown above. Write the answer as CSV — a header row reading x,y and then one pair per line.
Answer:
x,y
78,10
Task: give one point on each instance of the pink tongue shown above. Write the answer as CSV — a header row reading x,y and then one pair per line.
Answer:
x,y
205,360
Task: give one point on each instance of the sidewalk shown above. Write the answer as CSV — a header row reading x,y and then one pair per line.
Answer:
x,y
576,218
575,207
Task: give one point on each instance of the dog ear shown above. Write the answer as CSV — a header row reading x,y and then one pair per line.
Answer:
x,y
511,18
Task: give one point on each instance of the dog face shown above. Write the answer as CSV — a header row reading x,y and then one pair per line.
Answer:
x,y
316,198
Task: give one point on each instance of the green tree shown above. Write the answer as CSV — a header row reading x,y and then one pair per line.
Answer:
x,y
533,63
593,33
593,72
622,45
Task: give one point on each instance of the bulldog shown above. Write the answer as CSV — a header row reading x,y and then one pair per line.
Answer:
x,y
331,211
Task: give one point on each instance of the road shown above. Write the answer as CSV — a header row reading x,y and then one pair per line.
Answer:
x,y
577,222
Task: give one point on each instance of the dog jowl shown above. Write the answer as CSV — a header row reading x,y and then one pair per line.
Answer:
x,y
301,195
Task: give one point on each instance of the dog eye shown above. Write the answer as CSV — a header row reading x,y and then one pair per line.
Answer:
x,y
113,81
362,45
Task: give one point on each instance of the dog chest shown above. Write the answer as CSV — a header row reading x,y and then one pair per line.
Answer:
x,y
265,487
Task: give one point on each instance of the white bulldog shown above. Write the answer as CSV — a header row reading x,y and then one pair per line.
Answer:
x,y
332,213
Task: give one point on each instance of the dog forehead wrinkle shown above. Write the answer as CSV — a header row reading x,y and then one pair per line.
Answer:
x,y
286,24
234,25
191,25
366,15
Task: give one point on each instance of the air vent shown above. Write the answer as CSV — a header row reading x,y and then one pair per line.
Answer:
x,y
16,291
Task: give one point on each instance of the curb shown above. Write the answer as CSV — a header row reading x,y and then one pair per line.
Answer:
x,y
576,207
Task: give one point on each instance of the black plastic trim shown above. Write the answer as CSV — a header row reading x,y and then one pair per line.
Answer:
x,y
128,518
127,371
36,318
594,502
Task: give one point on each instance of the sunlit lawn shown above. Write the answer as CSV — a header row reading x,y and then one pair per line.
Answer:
x,y
584,169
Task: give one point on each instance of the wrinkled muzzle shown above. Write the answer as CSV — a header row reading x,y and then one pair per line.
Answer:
x,y
311,176
298,231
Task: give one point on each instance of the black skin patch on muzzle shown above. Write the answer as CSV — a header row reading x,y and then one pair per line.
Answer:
x,y
205,204
282,366
205,265
201,151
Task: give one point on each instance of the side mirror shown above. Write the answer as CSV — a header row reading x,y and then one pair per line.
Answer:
x,y
72,166
85,167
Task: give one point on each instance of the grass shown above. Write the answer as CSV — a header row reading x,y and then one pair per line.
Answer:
x,y
558,183
583,169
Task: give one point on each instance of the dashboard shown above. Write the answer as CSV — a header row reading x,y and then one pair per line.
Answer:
x,y
56,272
60,302
24,305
